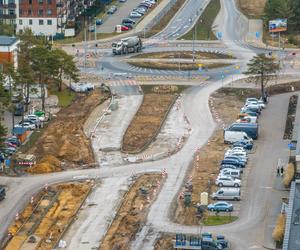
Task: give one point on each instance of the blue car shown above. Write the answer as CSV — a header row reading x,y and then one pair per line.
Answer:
x,y
99,21
221,206
232,162
245,145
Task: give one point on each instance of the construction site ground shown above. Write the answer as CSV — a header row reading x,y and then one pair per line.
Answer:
x,y
43,221
164,242
96,214
147,121
132,213
63,143
225,105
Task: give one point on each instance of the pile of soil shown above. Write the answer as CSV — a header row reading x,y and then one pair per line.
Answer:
x,y
63,143
164,242
146,124
132,213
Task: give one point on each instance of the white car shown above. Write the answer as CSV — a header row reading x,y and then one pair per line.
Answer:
x,y
26,125
134,14
251,99
228,181
33,118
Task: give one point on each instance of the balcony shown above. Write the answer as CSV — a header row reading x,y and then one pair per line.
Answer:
x,y
8,16
6,6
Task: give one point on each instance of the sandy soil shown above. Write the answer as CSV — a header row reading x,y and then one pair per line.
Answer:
x,y
252,8
147,121
63,143
132,213
48,216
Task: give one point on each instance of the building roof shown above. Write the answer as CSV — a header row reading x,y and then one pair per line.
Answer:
x,y
292,227
7,40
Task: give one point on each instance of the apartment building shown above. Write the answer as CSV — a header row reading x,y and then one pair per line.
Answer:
x,y
8,11
8,51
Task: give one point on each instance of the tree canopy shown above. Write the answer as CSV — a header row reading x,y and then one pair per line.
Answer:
x,y
261,69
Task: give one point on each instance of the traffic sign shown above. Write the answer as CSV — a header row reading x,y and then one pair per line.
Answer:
x,y
219,35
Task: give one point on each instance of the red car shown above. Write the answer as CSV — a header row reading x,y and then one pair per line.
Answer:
x,y
123,28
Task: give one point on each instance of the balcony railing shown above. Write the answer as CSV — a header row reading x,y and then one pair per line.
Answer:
x,y
8,16
6,6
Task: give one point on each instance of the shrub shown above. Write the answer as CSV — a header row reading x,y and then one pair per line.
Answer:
x,y
288,175
278,232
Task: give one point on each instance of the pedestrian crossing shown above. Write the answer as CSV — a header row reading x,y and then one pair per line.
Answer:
x,y
125,82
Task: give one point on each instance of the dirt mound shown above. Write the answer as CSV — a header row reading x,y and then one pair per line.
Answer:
x,y
147,121
64,140
252,8
132,213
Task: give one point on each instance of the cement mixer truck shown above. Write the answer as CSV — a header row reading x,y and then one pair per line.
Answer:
x,y
127,45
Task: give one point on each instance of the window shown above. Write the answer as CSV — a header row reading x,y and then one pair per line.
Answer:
x,y
29,12
20,22
11,11
30,1
49,12
41,12
40,1
20,12
30,21
49,22
41,22
11,1
49,1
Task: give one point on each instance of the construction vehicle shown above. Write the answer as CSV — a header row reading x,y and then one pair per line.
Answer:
x,y
127,45
203,242
2,193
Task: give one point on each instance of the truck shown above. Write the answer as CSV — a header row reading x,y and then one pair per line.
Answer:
x,y
127,45
202,242
2,193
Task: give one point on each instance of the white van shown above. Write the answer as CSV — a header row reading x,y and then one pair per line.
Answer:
x,y
235,136
227,194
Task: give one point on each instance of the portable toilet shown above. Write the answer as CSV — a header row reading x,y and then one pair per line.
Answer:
x,y
204,198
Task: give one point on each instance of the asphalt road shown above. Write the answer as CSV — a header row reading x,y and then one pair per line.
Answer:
x,y
183,20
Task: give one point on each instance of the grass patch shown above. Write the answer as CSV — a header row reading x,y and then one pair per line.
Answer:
x,y
150,88
278,231
253,9
238,93
183,55
204,23
31,140
166,19
215,220
65,97
176,66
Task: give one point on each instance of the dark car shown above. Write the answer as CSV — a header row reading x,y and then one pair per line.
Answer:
x,y
232,157
232,162
243,144
249,112
128,20
99,21
13,140
221,240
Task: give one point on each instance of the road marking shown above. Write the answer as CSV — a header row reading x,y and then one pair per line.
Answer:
x,y
267,187
254,247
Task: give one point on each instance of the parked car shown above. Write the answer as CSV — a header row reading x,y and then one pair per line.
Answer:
x,y
245,145
240,154
235,136
128,20
99,21
122,1
251,129
123,28
33,118
112,10
228,181
237,149
27,125
227,194
228,166
243,162
14,140
134,14
234,173
220,206
91,28
128,25
232,162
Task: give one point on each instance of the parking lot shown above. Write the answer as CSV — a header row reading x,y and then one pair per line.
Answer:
x,y
123,11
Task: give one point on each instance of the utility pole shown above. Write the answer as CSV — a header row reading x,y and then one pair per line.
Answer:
x,y
84,46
